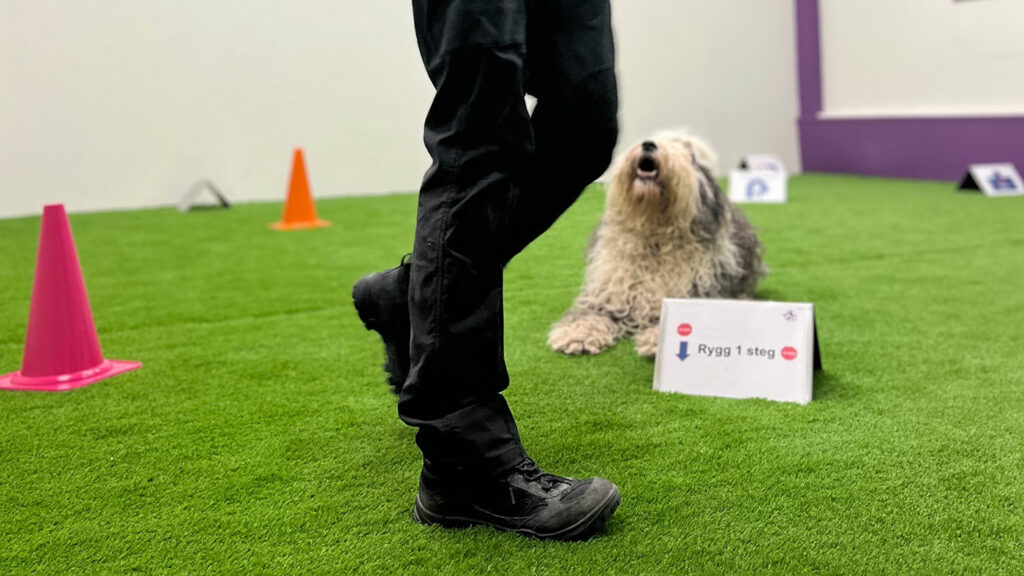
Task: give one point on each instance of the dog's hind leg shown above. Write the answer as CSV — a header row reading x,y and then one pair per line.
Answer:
x,y
647,341
583,331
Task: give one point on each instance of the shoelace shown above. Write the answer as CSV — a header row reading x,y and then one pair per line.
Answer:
x,y
532,472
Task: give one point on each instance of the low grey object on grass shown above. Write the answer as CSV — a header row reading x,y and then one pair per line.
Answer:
x,y
192,195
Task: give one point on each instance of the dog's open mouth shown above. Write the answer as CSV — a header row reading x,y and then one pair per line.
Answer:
x,y
647,168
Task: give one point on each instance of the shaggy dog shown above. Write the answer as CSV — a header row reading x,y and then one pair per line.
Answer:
x,y
667,231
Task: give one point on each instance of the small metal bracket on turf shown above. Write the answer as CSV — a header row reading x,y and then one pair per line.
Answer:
x,y
188,201
818,366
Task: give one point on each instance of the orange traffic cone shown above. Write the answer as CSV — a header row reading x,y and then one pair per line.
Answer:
x,y
299,211
62,349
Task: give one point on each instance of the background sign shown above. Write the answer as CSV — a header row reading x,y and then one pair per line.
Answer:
x,y
758,162
994,180
737,349
758,186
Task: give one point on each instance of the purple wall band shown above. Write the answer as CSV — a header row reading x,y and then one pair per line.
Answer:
x,y
808,47
924,148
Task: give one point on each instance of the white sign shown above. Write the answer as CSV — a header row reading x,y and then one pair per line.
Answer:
x,y
737,349
758,186
767,162
994,180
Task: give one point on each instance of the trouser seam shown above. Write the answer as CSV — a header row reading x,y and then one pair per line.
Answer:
x,y
450,191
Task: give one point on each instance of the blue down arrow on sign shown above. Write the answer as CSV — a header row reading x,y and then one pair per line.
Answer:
x,y
682,351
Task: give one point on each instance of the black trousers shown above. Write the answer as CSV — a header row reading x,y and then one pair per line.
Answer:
x,y
499,179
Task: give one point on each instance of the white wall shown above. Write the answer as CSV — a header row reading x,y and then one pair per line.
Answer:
x,y
724,68
124,103
112,104
922,57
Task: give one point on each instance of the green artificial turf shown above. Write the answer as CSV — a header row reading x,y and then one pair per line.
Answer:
x,y
259,437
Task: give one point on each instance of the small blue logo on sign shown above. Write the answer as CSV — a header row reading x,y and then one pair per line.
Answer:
x,y
756,188
1000,182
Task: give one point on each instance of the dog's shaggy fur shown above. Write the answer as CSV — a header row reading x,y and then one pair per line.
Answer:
x,y
667,231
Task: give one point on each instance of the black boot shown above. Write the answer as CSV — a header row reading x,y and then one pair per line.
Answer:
x,y
382,300
525,501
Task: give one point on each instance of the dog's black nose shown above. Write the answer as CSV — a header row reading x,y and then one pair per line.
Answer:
x,y
649,146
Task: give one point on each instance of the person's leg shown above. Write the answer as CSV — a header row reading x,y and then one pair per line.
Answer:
x,y
479,136
570,69
490,191
571,72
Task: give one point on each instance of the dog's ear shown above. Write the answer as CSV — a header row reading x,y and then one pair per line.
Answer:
x,y
702,153
712,209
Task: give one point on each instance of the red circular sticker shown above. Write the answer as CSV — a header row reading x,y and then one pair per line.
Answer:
x,y
789,353
684,330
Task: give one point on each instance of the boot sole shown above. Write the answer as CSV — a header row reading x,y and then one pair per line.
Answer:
x,y
581,530
365,305
370,315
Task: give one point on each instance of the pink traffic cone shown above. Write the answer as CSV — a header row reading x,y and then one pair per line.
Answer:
x,y
62,349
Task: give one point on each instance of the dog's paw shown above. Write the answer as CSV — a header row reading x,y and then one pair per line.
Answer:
x,y
647,343
575,339
647,350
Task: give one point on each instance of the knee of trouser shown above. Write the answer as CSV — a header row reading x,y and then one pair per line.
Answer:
x,y
597,124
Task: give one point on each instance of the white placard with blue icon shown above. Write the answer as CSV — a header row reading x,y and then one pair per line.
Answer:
x,y
758,186
737,349
994,180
